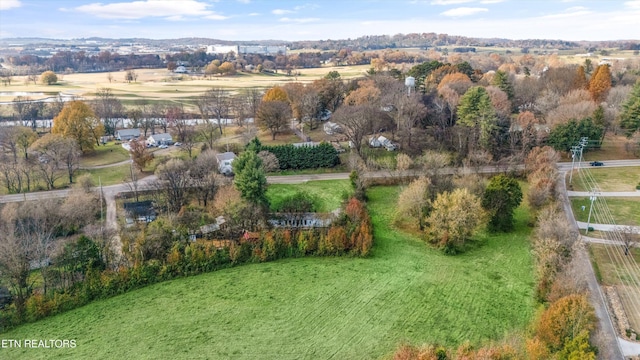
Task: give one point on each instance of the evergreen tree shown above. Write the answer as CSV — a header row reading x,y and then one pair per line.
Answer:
x,y
250,178
475,111
501,197
501,80
630,117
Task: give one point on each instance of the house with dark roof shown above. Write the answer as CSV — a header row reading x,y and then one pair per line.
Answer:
x,y
139,211
127,134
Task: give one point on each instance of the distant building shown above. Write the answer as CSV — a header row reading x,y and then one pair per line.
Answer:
x,y
181,70
225,161
222,49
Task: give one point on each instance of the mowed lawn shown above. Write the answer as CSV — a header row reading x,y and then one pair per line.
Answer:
x,y
312,308
625,211
610,179
327,195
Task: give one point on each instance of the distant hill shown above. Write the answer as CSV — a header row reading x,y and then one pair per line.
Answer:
x,y
368,42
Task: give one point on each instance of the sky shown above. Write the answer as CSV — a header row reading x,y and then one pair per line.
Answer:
x,y
291,20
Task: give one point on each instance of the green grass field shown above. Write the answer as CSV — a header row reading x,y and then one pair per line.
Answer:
x,y
312,308
105,155
610,179
107,176
625,211
329,195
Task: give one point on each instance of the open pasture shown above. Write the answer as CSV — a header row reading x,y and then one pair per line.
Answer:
x,y
162,84
313,308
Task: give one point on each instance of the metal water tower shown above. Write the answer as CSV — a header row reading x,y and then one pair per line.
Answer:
x,y
410,83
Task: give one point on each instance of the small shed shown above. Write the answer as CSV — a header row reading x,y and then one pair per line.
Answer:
x,y
225,161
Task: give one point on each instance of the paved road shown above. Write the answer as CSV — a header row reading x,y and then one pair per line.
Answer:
x,y
606,337
606,227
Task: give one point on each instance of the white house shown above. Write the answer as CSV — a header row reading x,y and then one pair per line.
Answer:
x,y
381,141
181,70
331,128
225,161
127,134
159,139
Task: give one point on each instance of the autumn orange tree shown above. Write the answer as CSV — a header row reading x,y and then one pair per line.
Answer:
x,y
600,83
78,122
274,113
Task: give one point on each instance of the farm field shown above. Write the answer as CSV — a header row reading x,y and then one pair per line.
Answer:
x,y
161,84
312,308
625,211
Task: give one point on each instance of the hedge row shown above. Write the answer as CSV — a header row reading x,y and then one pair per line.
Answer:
x,y
323,155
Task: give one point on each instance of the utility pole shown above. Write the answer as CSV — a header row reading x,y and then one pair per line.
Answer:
x,y
583,143
592,198
574,153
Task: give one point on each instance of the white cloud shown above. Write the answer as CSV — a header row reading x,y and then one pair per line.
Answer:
x,y
146,8
281,11
244,1
449,2
635,4
299,20
9,4
254,14
216,17
463,11
491,1
570,12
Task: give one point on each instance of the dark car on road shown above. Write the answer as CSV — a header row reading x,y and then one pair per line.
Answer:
x,y
596,163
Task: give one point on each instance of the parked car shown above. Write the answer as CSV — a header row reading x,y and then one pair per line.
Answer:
x,y
596,163
163,146
177,144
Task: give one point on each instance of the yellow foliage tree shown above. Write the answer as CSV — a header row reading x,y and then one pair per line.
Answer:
x,y
49,78
454,219
276,93
600,83
77,121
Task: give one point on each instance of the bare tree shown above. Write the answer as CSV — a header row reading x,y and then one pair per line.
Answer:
x,y
274,116
356,122
108,108
174,180
205,180
214,102
629,238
